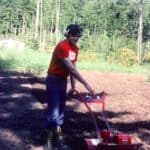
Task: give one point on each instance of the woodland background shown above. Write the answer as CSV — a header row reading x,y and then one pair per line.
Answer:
x,y
115,31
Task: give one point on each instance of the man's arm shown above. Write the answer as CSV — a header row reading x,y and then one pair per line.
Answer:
x,y
73,82
74,72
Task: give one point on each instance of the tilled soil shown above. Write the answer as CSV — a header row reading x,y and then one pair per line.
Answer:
x,y
127,106
23,109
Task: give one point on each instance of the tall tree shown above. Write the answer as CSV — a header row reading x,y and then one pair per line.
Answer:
x,y
140,30
37,18
57,20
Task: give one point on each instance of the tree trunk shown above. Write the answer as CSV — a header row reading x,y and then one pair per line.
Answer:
x,y
57,20
43,41
41,25
37,18
23,30
51,30
140,29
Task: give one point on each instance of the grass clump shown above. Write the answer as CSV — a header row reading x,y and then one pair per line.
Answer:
x,y
27,60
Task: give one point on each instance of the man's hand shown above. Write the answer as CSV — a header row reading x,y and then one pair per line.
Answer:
x,y
71,91
89,88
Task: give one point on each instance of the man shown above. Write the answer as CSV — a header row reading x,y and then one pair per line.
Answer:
x,y
62,65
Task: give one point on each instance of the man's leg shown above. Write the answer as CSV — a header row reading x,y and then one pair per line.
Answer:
x,y
56,97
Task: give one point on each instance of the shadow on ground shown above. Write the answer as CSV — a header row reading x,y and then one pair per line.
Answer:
x,y
79,125
21,118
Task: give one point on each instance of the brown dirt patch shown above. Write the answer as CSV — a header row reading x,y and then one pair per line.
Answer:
x,y
127,106
23,109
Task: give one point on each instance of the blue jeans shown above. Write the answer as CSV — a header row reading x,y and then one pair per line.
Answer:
x,y
56,97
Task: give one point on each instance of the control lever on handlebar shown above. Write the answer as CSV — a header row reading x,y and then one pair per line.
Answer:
x,y
99,96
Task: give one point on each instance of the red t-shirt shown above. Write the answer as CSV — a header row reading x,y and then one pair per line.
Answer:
x,y
62,50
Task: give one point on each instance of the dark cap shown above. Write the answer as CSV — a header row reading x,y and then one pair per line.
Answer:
x,y
73,29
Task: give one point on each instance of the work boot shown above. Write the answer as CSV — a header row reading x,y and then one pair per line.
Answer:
x,y
59,139
59,133
50,136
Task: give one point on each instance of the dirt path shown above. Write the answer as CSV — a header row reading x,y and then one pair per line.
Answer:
x,y
127,106
22,109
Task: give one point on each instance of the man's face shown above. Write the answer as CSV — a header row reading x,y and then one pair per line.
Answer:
x,y
73,39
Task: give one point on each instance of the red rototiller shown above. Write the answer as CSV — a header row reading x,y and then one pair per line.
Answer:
x,y
106,139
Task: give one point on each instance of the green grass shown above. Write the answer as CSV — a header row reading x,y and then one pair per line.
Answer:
x,y
26,60
107,67
30,60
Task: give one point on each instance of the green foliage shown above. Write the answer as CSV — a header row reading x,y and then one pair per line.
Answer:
x,y
87,55
26,60
7,58
127,57
104,43
14,14
99,17
111,57
87,42
107,67
147,57
104,46
108,25
30,60
33,44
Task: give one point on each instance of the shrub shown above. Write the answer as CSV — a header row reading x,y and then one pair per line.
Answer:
x,y
127,57
33,44
124,56
111,57
87,56
147,58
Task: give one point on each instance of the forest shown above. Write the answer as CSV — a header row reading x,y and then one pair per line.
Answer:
x,y
117,31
